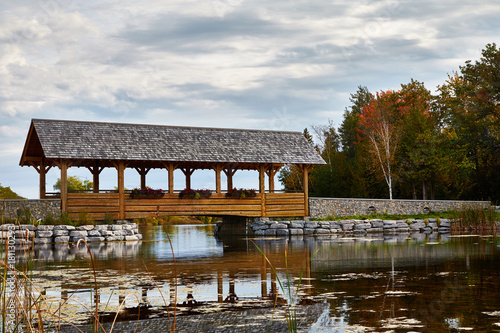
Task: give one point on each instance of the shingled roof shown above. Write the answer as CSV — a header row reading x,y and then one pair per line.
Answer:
x,y
86,141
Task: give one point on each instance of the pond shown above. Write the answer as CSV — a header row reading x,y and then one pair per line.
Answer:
x,y
375,283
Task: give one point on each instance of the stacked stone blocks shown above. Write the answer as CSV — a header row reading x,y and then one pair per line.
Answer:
x,y
46,234
286,228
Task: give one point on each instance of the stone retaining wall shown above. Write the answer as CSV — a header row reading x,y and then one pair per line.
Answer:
x,y
39,209
340,207
45,234
290,228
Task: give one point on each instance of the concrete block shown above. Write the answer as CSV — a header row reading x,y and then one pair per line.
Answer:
x,y
296,231
61,239
44,233
85,227
95,239
44,240
78,233
297,224
282,232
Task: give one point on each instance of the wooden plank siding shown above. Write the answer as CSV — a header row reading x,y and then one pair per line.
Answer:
x,y
96,205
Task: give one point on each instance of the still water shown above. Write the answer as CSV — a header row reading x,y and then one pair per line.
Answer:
x,y
377,283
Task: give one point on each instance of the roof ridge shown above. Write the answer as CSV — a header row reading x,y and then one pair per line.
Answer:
x,y
165,126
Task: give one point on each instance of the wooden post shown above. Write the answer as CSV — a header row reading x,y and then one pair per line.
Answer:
x,y
143,172
217,168
271,172
262,189
95,179
188,172
170,168
262,175
305,185
64,186
229,175
96,171
43,180
121,190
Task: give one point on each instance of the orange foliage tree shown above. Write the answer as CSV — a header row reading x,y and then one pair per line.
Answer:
x,y
380,124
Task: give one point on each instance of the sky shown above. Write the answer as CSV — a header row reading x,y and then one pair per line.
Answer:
x,y
271,65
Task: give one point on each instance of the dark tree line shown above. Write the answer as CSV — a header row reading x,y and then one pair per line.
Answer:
x,y
413,144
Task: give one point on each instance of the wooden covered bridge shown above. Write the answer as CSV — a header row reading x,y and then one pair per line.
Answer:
x,y
97,145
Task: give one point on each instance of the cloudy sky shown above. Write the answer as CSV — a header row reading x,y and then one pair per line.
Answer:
x,y
280,65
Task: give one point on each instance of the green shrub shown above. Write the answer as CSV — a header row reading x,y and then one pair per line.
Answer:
x,y
65,219
49,219
108,219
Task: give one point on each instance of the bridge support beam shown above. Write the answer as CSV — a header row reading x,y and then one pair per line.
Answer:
x,y
232,226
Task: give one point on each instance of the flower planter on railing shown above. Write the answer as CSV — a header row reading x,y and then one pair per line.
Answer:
x,y
195,194
146,193
241,193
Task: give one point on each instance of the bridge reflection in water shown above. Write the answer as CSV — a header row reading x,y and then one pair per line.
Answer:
x,y
369,280
143,278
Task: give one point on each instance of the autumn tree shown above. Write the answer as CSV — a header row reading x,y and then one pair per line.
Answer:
x,y
417,155
470,104
357,174
380,123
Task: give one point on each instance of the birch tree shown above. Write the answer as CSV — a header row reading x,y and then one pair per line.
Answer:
x,y
379,123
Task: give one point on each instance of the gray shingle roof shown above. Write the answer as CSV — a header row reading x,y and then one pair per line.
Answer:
x,y
116,141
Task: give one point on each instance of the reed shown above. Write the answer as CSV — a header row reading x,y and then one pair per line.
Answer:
x,y
288,290
475,218
25,308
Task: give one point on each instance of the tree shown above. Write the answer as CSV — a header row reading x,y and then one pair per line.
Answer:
x,y
75,184
417,153
290,176
380,123
470,103
327,179
348,130
7,193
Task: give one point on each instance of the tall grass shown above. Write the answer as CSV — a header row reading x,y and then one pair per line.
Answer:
x,y
474,217
25,308
287,288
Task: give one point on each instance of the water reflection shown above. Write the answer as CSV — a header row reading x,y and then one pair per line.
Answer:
x,y
400,282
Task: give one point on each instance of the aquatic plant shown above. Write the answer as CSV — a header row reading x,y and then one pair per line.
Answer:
x,y
291,294
25,308
474,217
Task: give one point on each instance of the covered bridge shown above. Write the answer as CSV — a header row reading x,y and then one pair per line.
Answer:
x,y
98,145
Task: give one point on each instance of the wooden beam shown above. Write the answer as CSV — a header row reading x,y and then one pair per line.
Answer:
x,y
188,172
218,168
170,168
262,189
305,185
271,172
230,171
96,170
121,190
42,171
64,185
143,171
